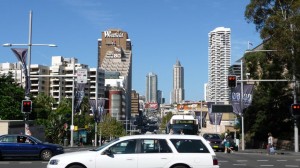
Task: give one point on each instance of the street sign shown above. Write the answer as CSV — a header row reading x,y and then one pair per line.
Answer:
x,y
220,108
81,75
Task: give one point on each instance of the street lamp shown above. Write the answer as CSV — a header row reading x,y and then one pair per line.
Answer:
x,y
29,44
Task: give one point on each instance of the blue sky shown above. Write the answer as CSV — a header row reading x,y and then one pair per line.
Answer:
x,y
161,32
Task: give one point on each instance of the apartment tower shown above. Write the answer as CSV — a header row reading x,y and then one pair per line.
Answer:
x,y
218,64
178,83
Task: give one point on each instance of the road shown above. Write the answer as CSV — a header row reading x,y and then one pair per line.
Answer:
x,y
236,159
254,160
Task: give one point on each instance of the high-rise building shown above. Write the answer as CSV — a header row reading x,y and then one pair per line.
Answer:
x,y
218,64
115,55
58,86
151,88
178,83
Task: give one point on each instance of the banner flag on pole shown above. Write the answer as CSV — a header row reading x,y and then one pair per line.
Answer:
x,y
212,115
21,54
236,98
79,95
97,110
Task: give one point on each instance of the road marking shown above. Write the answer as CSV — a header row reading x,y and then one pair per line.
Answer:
x,y
281,160
297,160
222,161
262,160
291,166
266,165
239,164
25,162
242,160
4,162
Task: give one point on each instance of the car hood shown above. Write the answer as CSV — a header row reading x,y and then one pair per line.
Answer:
x,y
76,155
51,144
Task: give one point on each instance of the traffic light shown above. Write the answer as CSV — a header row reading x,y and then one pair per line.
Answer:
x,y
295,109
26,106
231,79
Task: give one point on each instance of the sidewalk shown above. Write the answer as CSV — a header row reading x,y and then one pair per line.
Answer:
x,y
264,151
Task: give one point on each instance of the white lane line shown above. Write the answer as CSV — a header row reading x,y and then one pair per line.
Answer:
x,y
266,165
239,164
262,160
222,161
291,166
25,162
242,160
4,162
298,160
281,160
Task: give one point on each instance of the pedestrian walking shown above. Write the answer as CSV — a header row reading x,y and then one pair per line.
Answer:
x,y
270,144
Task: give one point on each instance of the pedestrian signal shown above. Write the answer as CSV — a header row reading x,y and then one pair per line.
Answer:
x,y
231,79
295,109
26,106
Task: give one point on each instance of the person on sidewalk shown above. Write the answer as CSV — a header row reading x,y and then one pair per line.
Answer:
x,y
270,143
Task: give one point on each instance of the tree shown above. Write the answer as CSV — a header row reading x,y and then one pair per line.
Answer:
x,y
42,108
55,130
111,128
11,96
278,22
165,120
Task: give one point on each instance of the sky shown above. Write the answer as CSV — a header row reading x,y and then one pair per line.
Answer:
x,y
161,32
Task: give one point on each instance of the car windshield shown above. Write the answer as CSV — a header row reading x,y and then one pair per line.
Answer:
x,y
36,140
212,136
105,145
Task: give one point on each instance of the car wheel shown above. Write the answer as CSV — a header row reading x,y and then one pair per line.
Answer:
x,y
76,166
46,154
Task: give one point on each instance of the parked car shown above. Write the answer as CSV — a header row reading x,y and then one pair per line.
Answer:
x,y
27,146
143,151
215,141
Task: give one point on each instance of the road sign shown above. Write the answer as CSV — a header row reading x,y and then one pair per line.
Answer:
x,y
81,75
220,108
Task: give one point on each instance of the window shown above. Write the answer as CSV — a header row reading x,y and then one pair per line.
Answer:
x,y
189,146
8,139
155,146
124,147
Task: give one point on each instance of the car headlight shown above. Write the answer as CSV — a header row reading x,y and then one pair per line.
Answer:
x,y
53,162
59,148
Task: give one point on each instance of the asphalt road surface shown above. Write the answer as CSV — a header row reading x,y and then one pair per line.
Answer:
x,y
233,160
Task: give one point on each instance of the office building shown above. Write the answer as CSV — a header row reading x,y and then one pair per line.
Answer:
x,y
115,55
151,88
218,64
178,83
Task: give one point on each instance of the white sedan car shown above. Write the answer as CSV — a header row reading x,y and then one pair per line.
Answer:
x,y
143,151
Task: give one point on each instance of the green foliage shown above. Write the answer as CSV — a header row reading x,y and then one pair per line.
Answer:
x,y
278,22
11,96
111,128
165,120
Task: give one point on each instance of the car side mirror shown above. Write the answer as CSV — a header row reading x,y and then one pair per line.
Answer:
x,y
108,152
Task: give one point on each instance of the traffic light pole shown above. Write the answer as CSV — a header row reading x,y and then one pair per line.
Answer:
x,y
296,137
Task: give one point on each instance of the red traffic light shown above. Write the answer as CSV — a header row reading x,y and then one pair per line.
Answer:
x,y
231,79
26,106
295,108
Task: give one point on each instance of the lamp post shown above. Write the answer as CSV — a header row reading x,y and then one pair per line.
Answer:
x,y
29,44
